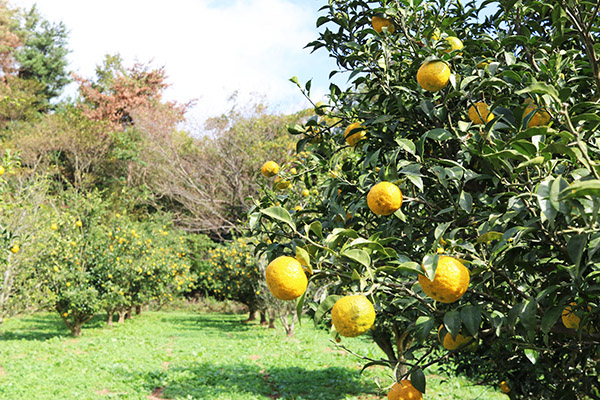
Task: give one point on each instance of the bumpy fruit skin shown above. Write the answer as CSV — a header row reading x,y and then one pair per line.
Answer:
x,y
384,198
379,23
452,344
433,75
479,113
352,315
404,390
450,283
540,118
353,135
452,43
286,278
504,388
269,169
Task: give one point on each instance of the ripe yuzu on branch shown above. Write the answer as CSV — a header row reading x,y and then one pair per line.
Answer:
x,y
404,390
384,198
269,169
450,282
433,75
286,278
352,315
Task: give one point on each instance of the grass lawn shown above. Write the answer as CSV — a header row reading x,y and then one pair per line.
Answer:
x,y
188,355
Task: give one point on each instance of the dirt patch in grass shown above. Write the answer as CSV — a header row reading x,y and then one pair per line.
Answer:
x,y
157,394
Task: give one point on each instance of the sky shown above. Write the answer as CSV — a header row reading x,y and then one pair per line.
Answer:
x,y
209,48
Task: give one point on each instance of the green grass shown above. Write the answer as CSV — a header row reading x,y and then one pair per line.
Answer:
x,y
187,355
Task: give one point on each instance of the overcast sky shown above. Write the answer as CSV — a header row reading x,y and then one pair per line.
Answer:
x,y
209,48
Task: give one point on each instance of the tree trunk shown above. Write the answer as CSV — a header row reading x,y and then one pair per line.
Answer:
x,y
129,313
76,328
271,323
138,309
251,316
109,320
263,318
121,316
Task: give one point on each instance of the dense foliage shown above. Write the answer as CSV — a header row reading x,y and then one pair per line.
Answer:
x,y
514,197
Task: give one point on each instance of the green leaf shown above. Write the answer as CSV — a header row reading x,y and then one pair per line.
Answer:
x,y
471,318
558,185
358,255
528,315
550,317
417,378
543,197
532,355
423,326
576,247
541,88
325,306
304,258
489,237
466,201
316,228
407,145
300,306
581,188
430,262
452,322
439,134
539,160
373,363
280,214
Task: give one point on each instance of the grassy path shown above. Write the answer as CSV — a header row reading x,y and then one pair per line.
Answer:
x,y
185,355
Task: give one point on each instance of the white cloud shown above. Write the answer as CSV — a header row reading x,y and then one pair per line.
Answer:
x,y
209,48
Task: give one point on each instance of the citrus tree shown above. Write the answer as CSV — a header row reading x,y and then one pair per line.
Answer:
x,y
234,274
458,182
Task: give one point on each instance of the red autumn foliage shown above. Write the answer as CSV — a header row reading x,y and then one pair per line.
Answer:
x,y
138,88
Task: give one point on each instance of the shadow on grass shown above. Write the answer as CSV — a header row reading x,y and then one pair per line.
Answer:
x,y
229,324
205,381
46,326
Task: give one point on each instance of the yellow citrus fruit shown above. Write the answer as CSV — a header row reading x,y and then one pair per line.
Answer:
x,y
305,193
15,249
479,113
2,170
379,23
404,390
269,169
384,198
293,171
570,318
450,282
504,388
298,208
78,223
282,184
286,278
452,344
54,227
482,64
541,117
433,75
436,34
352,315
452,43
354,133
